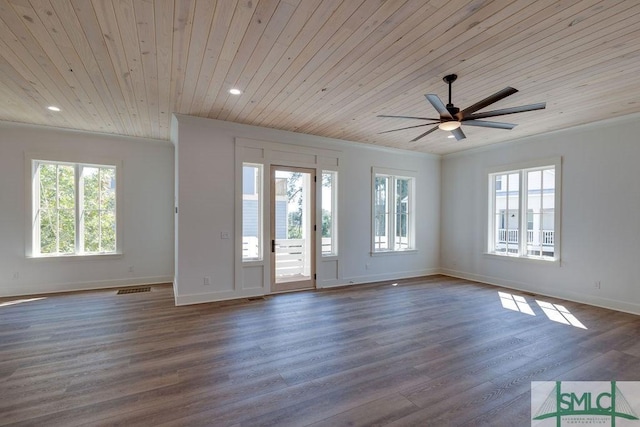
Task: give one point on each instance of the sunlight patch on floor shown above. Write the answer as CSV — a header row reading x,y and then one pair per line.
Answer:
x,y
19,301
515,303
555,312
559,313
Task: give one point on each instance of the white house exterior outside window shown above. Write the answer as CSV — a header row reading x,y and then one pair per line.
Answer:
x,y
524,211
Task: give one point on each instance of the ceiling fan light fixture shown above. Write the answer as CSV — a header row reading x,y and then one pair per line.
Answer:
x,y
450,125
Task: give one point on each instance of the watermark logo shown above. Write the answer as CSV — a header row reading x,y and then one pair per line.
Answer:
x,y
585,403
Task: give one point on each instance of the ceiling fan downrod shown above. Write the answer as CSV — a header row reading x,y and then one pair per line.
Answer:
x,y
449,79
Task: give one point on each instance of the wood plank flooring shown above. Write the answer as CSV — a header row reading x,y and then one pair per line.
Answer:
x,y
432,351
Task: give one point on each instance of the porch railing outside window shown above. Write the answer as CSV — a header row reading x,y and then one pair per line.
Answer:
x,y
546,237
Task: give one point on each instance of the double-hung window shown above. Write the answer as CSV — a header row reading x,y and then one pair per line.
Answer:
x,y
74,209
393,211
524,211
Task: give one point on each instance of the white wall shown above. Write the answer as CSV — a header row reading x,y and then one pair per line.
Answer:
x,y
205,172
600,201
148,216
600,210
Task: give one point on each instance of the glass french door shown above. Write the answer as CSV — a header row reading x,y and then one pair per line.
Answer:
x,y
292,228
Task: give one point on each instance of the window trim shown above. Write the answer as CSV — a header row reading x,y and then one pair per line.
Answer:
x,y
394,174
76,160
522,168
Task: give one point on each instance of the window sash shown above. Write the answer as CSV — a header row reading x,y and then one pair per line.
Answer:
x,y
381,213
402,225
103,207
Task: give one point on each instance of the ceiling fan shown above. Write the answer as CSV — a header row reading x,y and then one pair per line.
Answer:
x,y
451,118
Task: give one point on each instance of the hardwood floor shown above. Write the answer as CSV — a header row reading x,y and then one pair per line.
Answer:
x,y
433,351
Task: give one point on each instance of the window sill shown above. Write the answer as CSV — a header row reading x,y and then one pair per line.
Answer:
x,y
87,257
530,260
385,253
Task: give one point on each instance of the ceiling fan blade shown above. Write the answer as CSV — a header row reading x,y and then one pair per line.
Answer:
x,y
458,134
438,105
505,111
424,134
408,127
408,117
488,101
484,124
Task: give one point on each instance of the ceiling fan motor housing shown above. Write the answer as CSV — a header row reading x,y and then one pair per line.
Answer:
x,y
453,110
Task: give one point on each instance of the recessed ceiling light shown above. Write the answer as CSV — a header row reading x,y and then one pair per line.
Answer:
x,y
53,108
234,91
450,136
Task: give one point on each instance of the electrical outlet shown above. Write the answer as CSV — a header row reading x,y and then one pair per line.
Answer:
x,y
366,266
596,284
224,235
207,280
131,269
16,275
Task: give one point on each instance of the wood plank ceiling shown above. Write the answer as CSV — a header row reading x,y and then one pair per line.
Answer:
x,y
323,67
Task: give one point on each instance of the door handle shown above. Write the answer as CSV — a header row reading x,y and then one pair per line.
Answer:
x,y
273,245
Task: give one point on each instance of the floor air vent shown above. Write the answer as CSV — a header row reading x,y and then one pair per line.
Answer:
x,y
134,290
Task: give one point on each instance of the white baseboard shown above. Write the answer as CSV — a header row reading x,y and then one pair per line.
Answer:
x,y
623,306
216,296
50,288
596,301
247,293
372,278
